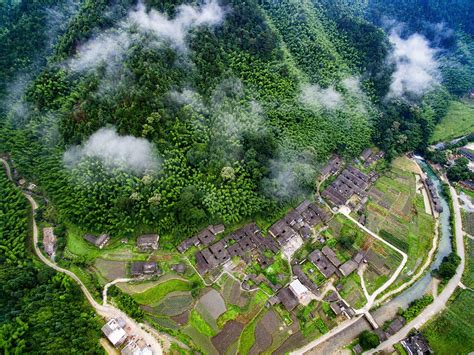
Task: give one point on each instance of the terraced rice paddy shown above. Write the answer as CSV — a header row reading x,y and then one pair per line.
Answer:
x,y
174,303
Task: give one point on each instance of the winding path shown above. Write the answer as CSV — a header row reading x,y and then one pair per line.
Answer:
x,y
373,296
104,311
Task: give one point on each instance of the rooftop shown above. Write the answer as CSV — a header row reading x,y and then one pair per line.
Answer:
x,y
298,288
114,332
288,298
331,255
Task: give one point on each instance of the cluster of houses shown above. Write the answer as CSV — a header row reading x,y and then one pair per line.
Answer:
x,y
466,153
369,157
144,268
332,167
298,222
433,195
99,241
245,243
329,264
467,184
205,237
115,331
249,243
349,182
146,242
339,306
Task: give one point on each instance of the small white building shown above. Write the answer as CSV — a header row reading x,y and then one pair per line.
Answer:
x,y
114,331
298,288
136,348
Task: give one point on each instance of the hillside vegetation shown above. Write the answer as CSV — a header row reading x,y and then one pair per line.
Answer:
x,y
240,112
458,121
41,311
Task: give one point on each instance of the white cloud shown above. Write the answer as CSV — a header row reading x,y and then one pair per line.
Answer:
x,y
176,29
316,97
352,84
128,152
109,47
416,69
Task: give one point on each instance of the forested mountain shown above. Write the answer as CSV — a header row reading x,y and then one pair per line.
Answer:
x,y
41,311
174,114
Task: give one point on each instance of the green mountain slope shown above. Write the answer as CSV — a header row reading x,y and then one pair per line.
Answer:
x,y
240,113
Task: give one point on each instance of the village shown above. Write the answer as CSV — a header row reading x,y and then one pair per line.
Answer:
x,y
224,288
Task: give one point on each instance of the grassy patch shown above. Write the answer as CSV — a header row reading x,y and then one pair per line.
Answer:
x,y
200,324
457,122
279,267
231,313
158,292
468,276
313,273
452,332
247,338
399,349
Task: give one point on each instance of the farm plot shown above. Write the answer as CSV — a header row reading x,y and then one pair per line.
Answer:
x,y
174,303
154,295
457,122
233,294
468,222
111,270
137,287
213,302
200,340
264,332
227,336
352,291
209,307
382,262
452,332
468,276
396,212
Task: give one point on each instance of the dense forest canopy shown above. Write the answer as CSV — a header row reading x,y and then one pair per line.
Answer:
x,y
170,115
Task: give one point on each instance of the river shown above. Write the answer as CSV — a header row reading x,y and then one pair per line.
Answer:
x,y
423,285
